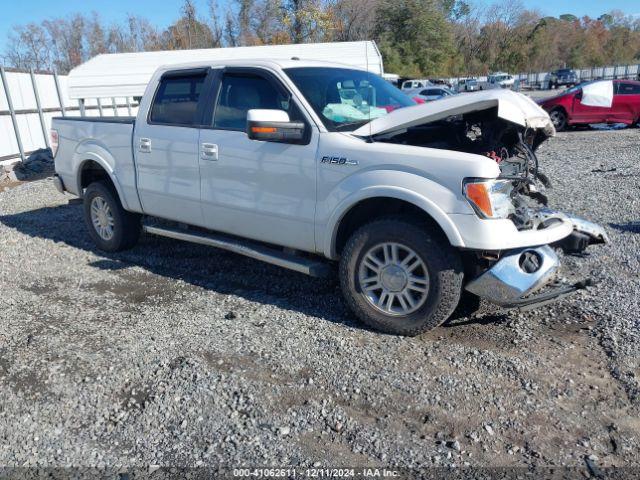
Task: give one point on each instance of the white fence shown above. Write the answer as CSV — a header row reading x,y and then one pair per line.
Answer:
x,y
541,79
28,102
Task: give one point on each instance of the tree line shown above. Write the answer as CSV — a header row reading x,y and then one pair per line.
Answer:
x,y
416,37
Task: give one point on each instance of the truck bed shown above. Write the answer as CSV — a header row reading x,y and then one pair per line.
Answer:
x,y
84,141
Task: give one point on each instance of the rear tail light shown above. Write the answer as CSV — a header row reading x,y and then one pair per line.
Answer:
x,y
54,141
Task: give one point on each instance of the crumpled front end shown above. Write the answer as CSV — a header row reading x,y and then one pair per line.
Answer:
x,y
515,277
518,274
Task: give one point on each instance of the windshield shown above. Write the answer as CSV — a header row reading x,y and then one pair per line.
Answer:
x,y
346,99
575,88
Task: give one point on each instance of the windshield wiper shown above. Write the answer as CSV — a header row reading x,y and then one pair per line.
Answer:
x,y
350,125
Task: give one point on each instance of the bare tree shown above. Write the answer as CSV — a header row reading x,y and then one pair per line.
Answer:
x,y
354,19
28,48
136,35
67,41
231,30
217,28
188,31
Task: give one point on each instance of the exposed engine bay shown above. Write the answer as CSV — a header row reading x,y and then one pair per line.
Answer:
x,y
510,145
513,147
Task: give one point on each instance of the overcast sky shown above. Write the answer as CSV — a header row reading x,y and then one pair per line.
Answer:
x,y
163,12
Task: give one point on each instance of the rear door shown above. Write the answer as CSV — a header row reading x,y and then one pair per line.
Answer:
x,y
166,148
252,188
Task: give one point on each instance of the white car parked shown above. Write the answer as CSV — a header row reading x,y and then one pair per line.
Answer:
x,y
413,84
498,80
307,164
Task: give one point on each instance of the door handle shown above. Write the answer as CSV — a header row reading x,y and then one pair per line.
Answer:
x,y
209,151
145,145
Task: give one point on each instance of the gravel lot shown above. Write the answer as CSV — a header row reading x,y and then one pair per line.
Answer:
x,y
179,355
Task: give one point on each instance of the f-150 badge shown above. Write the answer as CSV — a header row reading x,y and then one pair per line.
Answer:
x,y
338,160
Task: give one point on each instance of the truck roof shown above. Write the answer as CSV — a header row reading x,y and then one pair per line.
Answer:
x,y
259,62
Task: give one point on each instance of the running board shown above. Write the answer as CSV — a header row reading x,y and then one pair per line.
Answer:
x,y
247,248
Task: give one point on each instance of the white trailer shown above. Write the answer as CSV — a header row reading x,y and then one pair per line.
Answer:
x,y
125,75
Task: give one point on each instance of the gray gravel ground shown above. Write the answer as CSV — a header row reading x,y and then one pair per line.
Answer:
x,y
178,355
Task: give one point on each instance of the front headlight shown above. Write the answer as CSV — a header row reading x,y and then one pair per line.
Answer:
x,y
489,198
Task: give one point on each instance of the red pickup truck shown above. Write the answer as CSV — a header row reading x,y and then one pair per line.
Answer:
x,y
569,108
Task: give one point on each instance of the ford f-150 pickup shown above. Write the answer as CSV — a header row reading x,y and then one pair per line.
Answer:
x,y
308,165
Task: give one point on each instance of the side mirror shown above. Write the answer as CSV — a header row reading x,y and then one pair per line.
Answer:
x,y
579,94
274,126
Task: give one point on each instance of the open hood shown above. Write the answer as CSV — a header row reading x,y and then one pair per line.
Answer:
x,y
513,107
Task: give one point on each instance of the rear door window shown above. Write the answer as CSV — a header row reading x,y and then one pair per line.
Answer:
x,y
176,101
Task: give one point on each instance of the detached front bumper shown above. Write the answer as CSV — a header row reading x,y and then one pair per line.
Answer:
x,y
519,273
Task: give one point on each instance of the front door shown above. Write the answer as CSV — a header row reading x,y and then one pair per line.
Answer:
x,y
166,149
257,189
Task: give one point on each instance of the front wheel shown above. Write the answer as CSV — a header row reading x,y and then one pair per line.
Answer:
x,y
399,278
111,227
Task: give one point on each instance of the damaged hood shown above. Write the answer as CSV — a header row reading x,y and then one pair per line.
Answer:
x,y
513,107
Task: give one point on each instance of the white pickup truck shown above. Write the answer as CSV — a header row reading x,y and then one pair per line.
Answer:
x,y
306,165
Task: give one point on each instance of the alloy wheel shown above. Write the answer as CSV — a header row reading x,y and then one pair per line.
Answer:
x,y
393,279
102,218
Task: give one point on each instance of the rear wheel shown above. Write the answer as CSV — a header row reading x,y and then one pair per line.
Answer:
x,y
398,278
111,227
559,119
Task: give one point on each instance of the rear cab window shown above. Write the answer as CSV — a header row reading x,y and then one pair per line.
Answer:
x,y
176,100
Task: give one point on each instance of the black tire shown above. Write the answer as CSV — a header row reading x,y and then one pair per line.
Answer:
x,y
444,270
126,225
559,119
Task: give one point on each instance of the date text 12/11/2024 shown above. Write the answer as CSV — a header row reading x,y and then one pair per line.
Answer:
x,y
315,473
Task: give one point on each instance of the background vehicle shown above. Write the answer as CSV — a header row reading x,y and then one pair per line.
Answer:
x,y
622,105
563,77
468,85
498,80
430,93
441,82
412,84
304,163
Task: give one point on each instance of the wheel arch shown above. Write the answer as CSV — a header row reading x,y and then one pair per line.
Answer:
x,y
391,201
93,167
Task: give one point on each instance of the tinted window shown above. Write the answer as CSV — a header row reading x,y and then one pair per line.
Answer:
x,y
240,93
177,100
628,89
